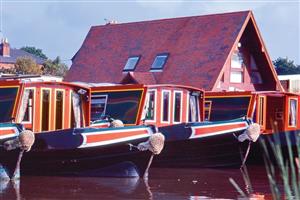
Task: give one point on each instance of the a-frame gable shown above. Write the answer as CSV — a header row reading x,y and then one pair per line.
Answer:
x,y
269,76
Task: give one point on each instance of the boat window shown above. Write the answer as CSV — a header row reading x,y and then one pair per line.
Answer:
x,y
226,108
293,110
151,107
207,110
237,60
98,105
261,110
131,63
72,116
122,105
159,61
7,101
45,109
165,106
236,77
177,106
59,109
29,110
193,108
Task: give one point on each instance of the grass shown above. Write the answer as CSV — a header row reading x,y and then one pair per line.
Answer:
x,y
279,160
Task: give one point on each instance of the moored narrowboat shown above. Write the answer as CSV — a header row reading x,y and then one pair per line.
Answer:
x,y
276,112
178,112
58,114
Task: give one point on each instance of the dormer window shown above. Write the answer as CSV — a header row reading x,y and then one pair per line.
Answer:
x,y
159,62
131,63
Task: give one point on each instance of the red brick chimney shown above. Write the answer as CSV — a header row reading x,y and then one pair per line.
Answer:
x,y
4,48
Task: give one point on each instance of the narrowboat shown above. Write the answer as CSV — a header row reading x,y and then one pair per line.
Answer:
x,y
178,112
276,113
65,144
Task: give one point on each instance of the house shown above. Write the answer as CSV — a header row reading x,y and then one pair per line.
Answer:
x,y
9,56
219,52
291,83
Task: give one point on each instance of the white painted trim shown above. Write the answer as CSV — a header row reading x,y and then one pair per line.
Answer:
x,y
31,111
181,105
155,104
85,144
193,136
187,106
101,95
296,111
162,106
9,135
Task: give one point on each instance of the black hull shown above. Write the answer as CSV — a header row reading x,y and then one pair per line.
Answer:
x,y
8,163
111,160
217,151
257,152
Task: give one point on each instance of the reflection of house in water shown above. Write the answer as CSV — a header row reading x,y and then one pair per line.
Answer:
x,y
219,52
291,83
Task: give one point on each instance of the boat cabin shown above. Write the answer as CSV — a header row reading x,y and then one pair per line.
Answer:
x,y
44,106
265,108
160,105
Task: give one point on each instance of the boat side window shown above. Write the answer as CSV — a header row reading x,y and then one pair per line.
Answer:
x,y
7,101
45,109
293,111
59,111
151,105
261,110
29,110
193,108
98,106
207,110
177,106
165,106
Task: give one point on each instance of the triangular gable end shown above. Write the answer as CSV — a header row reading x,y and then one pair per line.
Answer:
x,y
250,43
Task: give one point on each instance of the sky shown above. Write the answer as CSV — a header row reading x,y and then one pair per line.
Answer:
x,y
60,27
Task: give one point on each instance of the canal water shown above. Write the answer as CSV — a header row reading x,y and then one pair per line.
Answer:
x,y
163,183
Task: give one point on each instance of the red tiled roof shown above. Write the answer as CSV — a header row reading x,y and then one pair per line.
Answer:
x,y
139,78
198,47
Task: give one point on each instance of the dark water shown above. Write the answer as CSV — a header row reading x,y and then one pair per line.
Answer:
x,y
162,184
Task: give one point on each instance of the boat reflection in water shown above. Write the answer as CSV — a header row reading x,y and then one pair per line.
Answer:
x,y
171,184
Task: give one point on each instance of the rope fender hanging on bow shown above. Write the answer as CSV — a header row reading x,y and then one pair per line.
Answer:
x,y
251,134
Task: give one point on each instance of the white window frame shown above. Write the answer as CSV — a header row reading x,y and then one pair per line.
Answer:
x,y
181,106
162,106
296,112
235,80
31,111
188,107
100,95
155,105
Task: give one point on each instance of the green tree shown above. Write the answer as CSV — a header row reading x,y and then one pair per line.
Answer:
x,y
55,67
285,66
35,51
26,65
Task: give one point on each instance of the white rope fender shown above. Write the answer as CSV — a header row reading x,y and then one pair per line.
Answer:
x,y
24,141
155,143
116,123
252,133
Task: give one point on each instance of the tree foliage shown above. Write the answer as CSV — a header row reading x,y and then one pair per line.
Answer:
x,y
55,67
26,65
285,66
35,51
